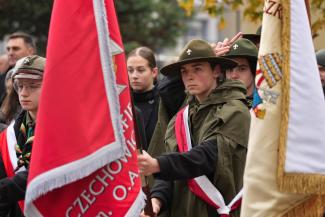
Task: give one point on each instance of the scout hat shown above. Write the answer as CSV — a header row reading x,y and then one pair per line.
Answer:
x,y
31,67
320,56
255,38
196,51
243,48
246,49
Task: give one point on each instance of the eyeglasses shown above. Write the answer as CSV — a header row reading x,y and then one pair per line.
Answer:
x,y
30,87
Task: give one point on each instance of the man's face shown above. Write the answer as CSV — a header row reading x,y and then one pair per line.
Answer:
x,y
29,91
16,49
199,79
322,74
243,73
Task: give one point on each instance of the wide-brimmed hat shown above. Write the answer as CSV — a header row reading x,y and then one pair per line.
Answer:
x,y
320,56
243,48
196,51
31,67
254,37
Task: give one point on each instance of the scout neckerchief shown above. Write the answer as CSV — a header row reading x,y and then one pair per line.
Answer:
x,y
201,186
25,142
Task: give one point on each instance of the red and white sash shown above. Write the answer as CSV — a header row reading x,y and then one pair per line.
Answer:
x,y
201,186
8,153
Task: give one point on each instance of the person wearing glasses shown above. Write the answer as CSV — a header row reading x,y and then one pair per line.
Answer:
x,y
16,141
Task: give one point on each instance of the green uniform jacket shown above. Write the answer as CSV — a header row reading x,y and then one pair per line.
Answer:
x,y
224,117
157,146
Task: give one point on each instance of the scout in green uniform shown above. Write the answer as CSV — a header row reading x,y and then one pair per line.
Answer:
x,y
218,125
244,52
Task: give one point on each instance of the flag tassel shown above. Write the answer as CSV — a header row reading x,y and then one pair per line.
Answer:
x,y
298,183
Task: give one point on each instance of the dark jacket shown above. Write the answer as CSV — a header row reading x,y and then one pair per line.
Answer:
x,y
148,103
220,125
172,97
140,129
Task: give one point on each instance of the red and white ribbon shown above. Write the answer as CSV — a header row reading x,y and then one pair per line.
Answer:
x,y
8,142
201,186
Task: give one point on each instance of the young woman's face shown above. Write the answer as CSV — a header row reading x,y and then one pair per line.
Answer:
x,y
141,76
199,79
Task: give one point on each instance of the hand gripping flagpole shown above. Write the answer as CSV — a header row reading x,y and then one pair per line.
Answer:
x,y
148,210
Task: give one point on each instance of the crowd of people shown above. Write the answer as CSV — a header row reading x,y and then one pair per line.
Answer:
x,y
193,121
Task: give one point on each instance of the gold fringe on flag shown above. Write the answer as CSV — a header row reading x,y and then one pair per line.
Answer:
x,y
302,183
285,88
293,182
285,85
311,207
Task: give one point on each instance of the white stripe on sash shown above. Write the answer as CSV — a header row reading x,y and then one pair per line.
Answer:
x,y
204,183
12,141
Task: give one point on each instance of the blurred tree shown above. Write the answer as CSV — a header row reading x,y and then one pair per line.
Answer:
x,y
253,10
318,23
151,23
32,17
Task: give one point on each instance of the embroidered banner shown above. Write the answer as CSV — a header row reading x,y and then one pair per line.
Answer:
x,y
285,167
84,154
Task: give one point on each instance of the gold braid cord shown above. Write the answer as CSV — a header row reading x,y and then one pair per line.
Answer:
x,y
271,67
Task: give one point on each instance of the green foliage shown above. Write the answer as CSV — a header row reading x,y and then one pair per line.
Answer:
x,y
253,11
153,23
32,17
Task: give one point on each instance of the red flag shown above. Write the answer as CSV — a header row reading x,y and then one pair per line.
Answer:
x,y
84,153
